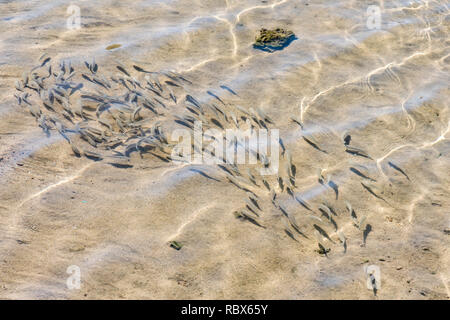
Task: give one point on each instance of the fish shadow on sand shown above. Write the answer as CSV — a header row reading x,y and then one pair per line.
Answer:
x,y
290,235
203,174
366,232
121,166
335,188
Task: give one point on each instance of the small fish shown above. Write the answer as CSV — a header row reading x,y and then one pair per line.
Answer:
x,y
263,115
346,138
310,216
137,68
290,165
361,222
273,195
75,150
283,148
228,89
251,176
359,173
136,113
322,232
192,100
313,144
280,183
121,69
368,188
357,152
18,85
266,184
398,169
349,207
343,239
251,206
302,203
215,96
297,121
320,177
93,155
170,83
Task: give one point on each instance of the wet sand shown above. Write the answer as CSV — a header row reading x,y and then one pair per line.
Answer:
x,y
387,88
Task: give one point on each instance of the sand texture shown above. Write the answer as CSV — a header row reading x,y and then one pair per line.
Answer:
x,y
112,212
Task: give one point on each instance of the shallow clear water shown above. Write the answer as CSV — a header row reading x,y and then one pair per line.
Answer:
x,y
384,81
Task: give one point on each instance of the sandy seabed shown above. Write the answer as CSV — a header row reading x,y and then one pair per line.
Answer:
x,y
388,88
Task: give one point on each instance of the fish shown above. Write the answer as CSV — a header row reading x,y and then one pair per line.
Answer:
x,y
228,89
266,184
368,188
398,169
92,155
297,121
171,83
192,100
139,69
333,186
273,195
243,110
244,215
343,239
359,173
320,177
251,176
172,96
290,165
357,152
136,113
263,115
251,206
349,207
212,94
302,202
280,183
313,144
122,69
75,150
310,216
327,213
235,120
283,148
346,138
322,232
18,85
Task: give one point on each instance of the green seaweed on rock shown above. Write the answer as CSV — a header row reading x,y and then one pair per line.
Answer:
x,y
271,40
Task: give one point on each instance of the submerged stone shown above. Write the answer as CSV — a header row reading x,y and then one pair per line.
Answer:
x,y
276,39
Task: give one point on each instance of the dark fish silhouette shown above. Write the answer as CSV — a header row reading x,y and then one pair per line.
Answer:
x,y
121,69
357,152
359,173
229,90
137,68
372,192
314,145
215,96
398,169
323,232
